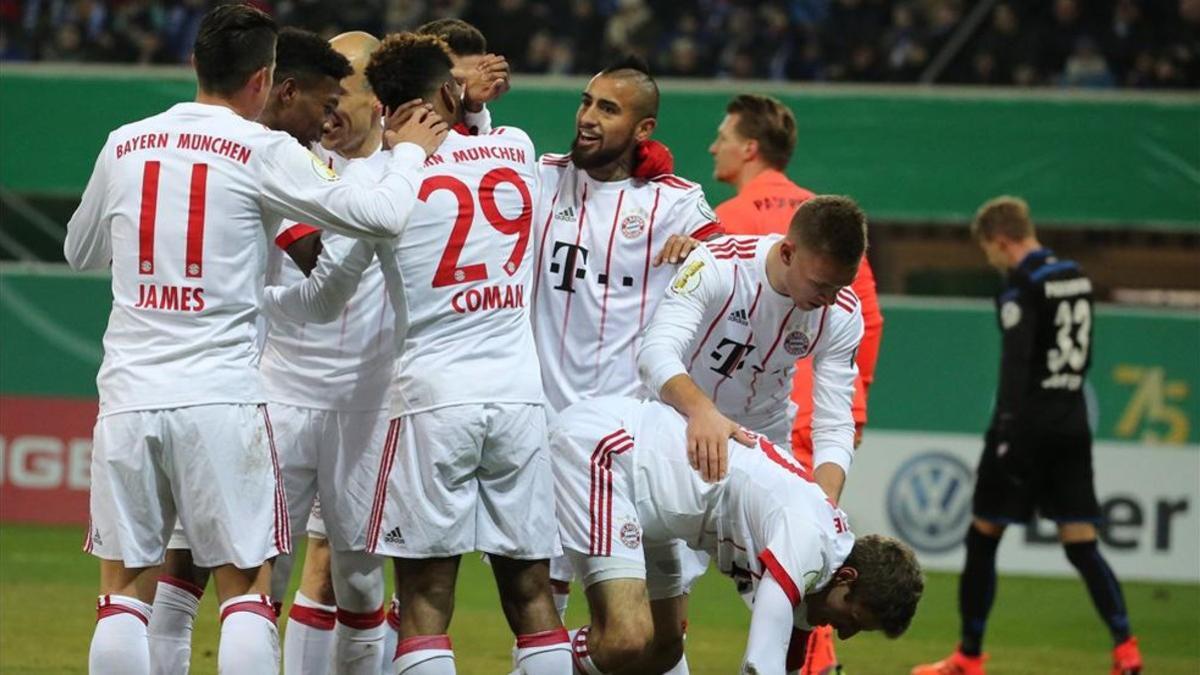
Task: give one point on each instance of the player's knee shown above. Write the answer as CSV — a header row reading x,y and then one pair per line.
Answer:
x,y
628,639
665,652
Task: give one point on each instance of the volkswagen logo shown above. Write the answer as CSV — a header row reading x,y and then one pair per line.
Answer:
x,y
929,501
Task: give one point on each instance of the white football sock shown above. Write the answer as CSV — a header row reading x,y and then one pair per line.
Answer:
x,y
119,644
580,655
391,636
544,653
308,639
425,655
359,642
249,640
170,632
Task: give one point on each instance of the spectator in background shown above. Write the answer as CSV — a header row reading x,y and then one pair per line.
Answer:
x,y
1142,43
1085,67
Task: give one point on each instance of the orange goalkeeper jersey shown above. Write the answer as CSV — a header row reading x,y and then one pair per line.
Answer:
x,y
765,205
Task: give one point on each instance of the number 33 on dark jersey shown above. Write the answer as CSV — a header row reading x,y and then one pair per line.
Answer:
x,y
1045,315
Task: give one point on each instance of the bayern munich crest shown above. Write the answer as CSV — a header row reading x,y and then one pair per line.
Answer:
x,y
631,535
633,226
796,343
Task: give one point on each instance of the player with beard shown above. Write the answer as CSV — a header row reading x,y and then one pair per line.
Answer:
x,y
607,220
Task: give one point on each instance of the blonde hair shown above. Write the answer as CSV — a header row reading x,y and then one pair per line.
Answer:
x,y
1003,216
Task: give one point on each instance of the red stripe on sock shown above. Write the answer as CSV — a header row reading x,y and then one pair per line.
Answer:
x,y
545,638
182,585
422,642
313,617
259,607
361,621
113,610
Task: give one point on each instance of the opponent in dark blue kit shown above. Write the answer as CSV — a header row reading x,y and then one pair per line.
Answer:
x,y
1037,455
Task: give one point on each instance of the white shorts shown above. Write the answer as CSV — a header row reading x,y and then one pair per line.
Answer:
x,y
602,534
212,467
465,478
333,455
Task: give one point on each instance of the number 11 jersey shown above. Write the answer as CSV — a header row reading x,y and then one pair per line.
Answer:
x,y
459,278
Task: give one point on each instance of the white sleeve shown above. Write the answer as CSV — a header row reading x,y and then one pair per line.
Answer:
x,y
770,630
89,237
321,297
480,123
675,323
298,185
694,217
834,374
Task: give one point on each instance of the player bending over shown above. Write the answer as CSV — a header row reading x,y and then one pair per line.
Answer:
x,y
466,467
626,491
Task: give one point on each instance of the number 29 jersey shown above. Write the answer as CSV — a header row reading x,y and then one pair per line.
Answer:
x,y
459,278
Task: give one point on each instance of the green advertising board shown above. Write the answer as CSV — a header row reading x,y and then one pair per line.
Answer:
x,y
937,365
907,154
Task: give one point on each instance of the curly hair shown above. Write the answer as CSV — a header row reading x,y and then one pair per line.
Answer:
x,y
302,55
407,66
831,226
889,581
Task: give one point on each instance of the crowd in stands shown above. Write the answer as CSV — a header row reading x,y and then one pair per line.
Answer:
x,y
1083,43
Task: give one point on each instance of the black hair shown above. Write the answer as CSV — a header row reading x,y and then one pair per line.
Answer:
x,y
408,66
234,42
635,67
302,55
462,38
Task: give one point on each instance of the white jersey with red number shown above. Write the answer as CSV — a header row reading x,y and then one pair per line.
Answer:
x,y
767,514
595,286
183,204
459,277
738,339
343,365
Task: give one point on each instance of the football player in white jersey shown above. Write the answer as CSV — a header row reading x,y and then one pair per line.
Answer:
x,y
182,431
740,312
626,491
466,467
304,90
609,216
599,230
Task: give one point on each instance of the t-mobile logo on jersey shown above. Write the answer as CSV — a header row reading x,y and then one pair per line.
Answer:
x,y
733,359
573,266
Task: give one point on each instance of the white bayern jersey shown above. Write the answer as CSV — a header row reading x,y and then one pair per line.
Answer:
x,y
459,277
766,515
342,365
595,286
723,324
183,204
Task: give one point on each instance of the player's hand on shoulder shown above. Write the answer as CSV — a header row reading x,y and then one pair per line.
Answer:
x,y
414,122
677,248
708,435
487,80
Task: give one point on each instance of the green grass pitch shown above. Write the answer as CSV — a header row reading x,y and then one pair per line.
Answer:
x,y
1039,626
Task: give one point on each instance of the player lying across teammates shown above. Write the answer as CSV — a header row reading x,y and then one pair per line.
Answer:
x,y
494,282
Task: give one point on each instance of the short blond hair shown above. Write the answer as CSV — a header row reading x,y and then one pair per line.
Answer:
x,y
1004,216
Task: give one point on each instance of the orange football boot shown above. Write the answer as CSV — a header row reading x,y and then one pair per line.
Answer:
x,y
819,657
955,664
1127,658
